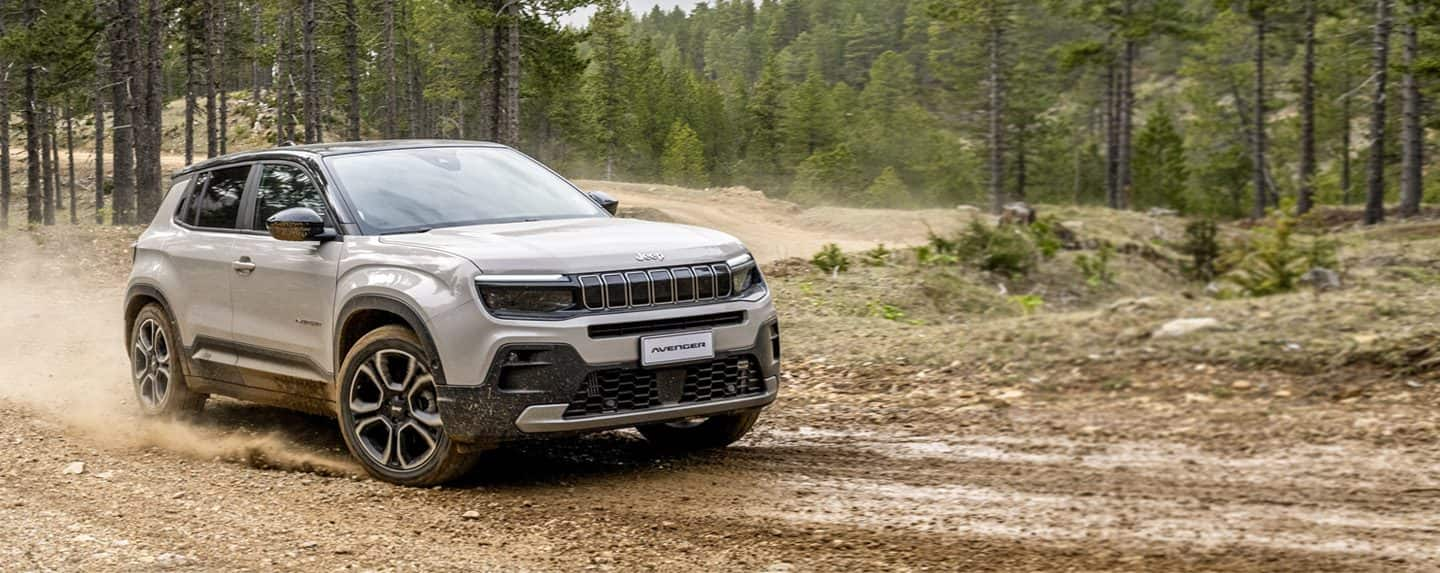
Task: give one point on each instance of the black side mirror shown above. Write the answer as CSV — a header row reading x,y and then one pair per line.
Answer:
x,y
298,224
605,201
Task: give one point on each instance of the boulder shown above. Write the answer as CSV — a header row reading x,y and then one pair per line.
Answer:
x,y
1321,279
1018,213
1185,327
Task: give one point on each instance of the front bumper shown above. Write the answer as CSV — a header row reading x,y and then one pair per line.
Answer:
x,y
538,385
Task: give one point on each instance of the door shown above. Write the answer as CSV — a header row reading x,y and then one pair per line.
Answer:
x,y
284,302
202,256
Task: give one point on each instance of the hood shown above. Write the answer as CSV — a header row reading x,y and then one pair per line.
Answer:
x,y
575,245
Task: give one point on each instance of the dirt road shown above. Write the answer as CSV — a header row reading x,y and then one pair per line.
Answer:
x,y
884,470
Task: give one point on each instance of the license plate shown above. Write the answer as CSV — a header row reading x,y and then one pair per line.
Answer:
x,y
676,348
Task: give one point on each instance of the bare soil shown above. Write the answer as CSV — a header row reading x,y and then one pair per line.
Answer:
x,y
1082,453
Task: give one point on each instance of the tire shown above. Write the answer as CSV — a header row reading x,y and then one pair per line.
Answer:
x,y
389,413
710,433
156,370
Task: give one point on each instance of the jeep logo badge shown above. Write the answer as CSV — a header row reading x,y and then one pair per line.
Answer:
x,y
649,257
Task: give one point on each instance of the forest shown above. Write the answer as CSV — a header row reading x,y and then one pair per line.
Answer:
x,y
1220,108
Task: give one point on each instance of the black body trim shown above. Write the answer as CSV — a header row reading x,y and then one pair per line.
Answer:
x,y
394,306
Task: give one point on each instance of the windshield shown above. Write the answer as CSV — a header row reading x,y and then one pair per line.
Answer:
x,y
407,190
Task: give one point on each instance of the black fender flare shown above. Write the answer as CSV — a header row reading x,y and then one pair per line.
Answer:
x,y
394,306
133,306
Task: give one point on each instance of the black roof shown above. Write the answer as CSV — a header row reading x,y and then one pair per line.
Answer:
x,y
328,149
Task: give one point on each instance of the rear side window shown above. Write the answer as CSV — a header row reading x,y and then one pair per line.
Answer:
x,y
218,205
283,187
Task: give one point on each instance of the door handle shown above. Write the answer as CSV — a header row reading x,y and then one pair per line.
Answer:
x,y
243,266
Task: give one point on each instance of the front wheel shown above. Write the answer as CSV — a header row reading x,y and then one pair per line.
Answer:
x,y
701,433
155,368
389,412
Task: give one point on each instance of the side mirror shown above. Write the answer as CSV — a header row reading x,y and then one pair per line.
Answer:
x,y
298,224
605,201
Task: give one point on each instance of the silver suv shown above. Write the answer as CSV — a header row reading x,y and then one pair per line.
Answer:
x,y
439,298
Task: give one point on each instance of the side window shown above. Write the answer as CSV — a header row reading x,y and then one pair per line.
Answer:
x,y
186,212
282,187
219,205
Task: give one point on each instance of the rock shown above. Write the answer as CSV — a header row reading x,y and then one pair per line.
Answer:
x,y
74,469
1018,213
1241,385
1321,279
1185,326
1282,393
472,514
1162,212
1213,288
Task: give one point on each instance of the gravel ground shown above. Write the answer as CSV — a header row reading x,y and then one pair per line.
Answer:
x,y
841,475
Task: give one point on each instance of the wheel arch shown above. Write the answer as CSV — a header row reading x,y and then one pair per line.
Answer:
x,y
364,313
138,297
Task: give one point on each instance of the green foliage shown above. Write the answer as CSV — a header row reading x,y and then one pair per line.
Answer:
x,y
929,256
1029,303
1202,247
684,160
887,191
1277,256
1161,176
885,311
877,257
1003,250
1096,269
1045,235
831,259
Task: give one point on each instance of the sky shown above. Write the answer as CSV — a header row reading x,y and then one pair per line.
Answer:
x,y
581,17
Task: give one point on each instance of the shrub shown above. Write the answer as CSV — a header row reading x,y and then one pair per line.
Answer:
x,y
885,311
1028,303
927,256
1202,246
877,257
1275,259
1097,268
1000,250
831,259
1047,239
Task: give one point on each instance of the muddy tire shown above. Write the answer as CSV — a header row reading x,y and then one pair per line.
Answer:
x,y
156,370
702,434
389,412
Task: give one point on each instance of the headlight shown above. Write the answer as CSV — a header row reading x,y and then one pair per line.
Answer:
x,y
527,299
744,275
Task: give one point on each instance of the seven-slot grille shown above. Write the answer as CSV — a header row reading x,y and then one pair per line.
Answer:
x,y
629,390
673,285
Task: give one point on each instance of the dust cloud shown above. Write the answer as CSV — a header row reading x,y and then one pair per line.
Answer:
x,y
62,350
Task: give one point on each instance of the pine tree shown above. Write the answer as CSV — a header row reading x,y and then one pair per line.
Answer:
x,y
888,191
684,160
1161,175
1375,194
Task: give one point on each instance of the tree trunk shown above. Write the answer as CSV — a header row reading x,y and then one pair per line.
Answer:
x,y
147,127
1345,141
352,68
54,135
100,82
1261,189
312,86
122,148
35,209
997,112
1375,192
1127,117
258,36
1112,146
4,138
392,95
70,157
212,137
1306,200
509,113
47,167
1412,139
190,100
224,122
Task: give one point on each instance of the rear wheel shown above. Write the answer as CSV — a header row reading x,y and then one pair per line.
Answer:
x,y
155,369
701,433
389,412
